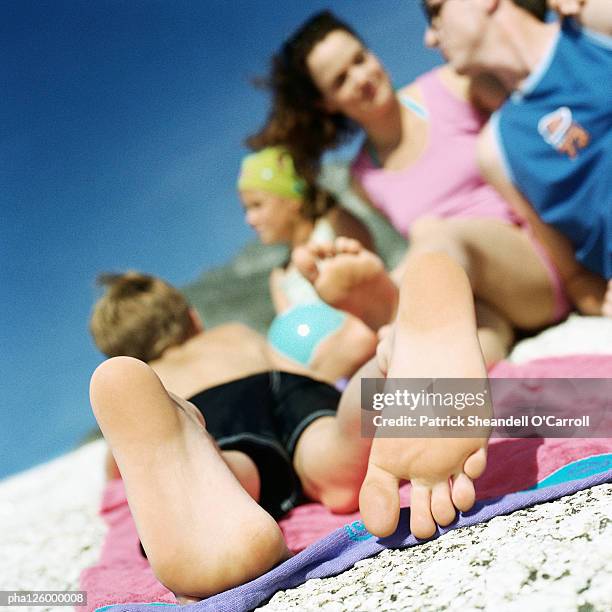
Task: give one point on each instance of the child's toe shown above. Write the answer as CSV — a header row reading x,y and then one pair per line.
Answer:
x,y
347,245
422,523
442,507
379,501
463,493
476,463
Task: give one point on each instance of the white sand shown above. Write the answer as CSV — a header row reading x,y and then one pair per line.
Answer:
x,y
49,524
557,556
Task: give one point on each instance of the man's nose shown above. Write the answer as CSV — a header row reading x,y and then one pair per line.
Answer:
x,y
431,37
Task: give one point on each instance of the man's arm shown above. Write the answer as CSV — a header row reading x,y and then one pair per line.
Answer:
x,y
585,289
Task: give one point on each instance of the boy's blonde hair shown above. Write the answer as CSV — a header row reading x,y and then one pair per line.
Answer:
x,y
139,316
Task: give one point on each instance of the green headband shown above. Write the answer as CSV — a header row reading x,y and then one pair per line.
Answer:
x,y
271,170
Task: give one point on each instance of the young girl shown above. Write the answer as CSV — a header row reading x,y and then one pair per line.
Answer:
x,y
282,208
417,166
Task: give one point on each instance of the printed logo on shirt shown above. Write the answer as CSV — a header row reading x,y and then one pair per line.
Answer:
x,y
562,133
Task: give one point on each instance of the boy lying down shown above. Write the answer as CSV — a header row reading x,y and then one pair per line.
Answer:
x,y
215,435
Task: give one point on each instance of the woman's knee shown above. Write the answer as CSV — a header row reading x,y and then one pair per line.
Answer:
x,y
430,234
426,228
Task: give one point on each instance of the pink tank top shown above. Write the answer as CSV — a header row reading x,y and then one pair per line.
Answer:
x,y
445,180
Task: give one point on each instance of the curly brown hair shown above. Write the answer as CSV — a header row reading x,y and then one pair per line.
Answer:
x,y
297,119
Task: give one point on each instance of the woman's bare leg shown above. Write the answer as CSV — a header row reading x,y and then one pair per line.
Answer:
x,y
201,530
495,333
504,267
348,277
500,259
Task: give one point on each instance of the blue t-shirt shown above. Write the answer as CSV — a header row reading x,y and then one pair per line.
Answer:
x,y
555,137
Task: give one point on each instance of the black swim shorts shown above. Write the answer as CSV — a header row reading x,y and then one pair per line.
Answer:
x,y
263,416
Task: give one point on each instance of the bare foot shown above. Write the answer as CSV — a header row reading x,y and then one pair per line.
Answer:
x,y
350,278
434,336
201,530
606,309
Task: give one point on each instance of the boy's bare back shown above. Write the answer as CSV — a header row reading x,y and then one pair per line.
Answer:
x,y
217,356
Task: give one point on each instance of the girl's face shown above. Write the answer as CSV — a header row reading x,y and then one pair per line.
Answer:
x,y
350,78
273,217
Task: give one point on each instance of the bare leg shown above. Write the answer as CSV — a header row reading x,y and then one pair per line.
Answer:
x,y
344,351
350,278
434,336
336,441
504,267
495,333
201,530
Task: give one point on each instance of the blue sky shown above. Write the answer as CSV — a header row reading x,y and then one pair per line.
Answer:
x,y
121,135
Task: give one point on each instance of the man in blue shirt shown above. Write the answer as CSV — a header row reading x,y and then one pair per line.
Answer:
x,y
548,148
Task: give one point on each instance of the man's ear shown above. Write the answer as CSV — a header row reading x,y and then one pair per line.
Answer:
x,y
196,320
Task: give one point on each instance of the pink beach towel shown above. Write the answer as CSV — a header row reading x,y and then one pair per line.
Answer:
x,y
123,575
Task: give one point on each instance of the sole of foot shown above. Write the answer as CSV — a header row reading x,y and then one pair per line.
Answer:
x,y
434,336
347,276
